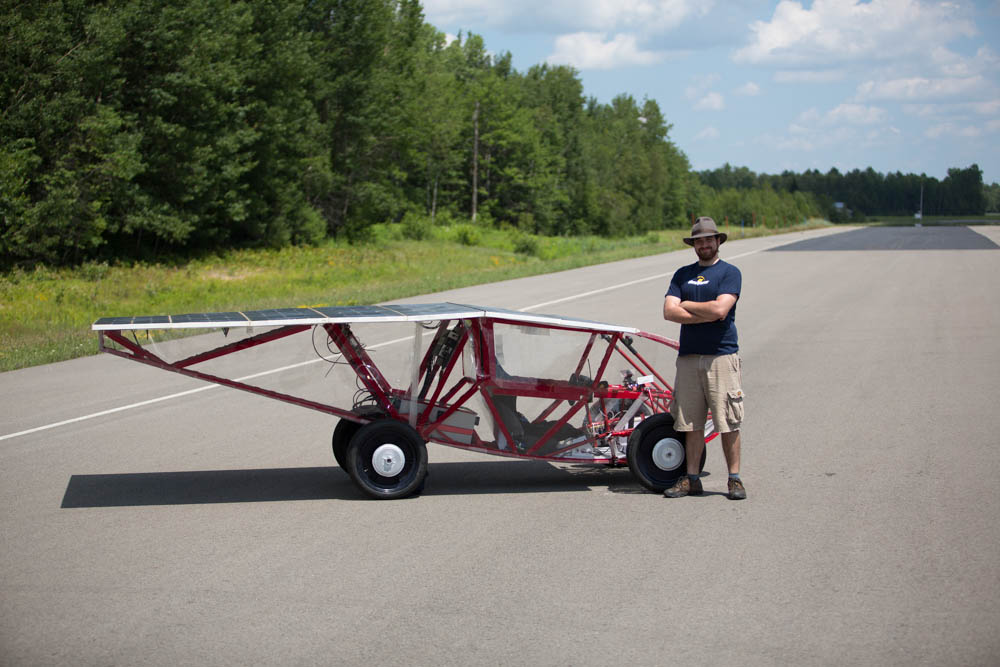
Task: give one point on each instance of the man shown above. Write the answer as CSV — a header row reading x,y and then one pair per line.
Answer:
x,y
702,299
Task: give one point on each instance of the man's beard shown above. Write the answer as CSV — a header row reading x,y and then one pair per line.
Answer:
x,y
705,254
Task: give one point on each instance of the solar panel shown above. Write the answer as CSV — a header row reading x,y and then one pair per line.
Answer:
x,y
437,311
194,320
144,322
361,314
556,320
112,322
411,312
283,316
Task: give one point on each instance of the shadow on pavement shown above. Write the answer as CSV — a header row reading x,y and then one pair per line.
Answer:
x,y
329,483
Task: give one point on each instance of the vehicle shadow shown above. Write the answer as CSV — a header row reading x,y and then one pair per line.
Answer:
x,y
329,483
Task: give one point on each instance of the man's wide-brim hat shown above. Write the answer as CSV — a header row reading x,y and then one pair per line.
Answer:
x,y
705,226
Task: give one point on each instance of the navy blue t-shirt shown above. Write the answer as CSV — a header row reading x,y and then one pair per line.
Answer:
x,y
705,283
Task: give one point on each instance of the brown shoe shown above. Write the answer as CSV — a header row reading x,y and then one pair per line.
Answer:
x,y
736,490
684,487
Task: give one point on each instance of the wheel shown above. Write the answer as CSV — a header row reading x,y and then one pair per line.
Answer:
x,y
342,435
346,429
656,453
387,459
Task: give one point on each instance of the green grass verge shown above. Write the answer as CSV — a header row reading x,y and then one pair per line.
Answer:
x,y
45,314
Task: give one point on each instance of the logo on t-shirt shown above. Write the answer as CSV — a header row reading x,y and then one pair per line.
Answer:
x,y
700,280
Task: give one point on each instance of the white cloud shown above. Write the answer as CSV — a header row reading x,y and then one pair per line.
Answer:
x,y
952,64
847,124
803,138
855,114
560,16
797,144
834,31
699,91
922,88
748,89
642,15
810,76
953,130
710,102
842,114
457,12
941,109
700,85
707,134
589,50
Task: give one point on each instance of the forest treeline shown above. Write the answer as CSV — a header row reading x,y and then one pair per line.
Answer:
x,y
142,127
865,193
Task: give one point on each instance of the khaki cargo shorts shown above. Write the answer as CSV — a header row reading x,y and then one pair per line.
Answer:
x,y
704,383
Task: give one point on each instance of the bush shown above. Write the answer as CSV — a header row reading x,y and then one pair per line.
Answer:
x,y
358,233
416,227
525,244
468,235
444,218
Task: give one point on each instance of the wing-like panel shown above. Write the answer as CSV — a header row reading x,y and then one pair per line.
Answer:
x,y
408,312
555,320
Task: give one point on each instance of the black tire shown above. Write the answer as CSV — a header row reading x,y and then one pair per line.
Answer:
x,y
342,435
387,459
656,454
346,429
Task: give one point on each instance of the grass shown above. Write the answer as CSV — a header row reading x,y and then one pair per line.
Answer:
x,y
45,314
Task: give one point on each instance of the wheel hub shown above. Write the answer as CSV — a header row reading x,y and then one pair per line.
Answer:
x,y
388,460
668,454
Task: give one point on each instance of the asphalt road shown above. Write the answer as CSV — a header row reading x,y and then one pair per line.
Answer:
x,y
212,527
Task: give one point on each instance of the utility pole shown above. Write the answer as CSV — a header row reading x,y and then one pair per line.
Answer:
x,y
475,160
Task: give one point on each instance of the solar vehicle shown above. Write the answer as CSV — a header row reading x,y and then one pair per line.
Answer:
x,y
490,380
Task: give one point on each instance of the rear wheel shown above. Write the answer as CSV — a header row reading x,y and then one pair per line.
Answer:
x,y
342,435
656,454
346,429
387,459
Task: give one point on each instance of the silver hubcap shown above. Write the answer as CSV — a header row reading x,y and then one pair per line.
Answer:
x,y
668,454
388,460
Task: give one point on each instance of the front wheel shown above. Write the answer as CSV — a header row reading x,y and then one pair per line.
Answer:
x,y
387,459
656,454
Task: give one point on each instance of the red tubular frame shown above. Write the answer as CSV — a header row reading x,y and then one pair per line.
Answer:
x,y
479,334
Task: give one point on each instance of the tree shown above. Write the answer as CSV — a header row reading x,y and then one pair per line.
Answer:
x,y
991,194
964,191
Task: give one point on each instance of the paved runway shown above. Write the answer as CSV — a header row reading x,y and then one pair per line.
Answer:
x,y
213,527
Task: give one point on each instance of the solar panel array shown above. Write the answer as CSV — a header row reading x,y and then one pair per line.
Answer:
x,y
425,312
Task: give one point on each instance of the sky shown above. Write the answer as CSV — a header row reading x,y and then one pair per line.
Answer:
x,y
896,85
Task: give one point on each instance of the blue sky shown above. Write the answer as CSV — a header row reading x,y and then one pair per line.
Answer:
x,y
896,85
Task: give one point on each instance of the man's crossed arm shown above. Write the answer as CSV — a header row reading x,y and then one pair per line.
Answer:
x,y
697,312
